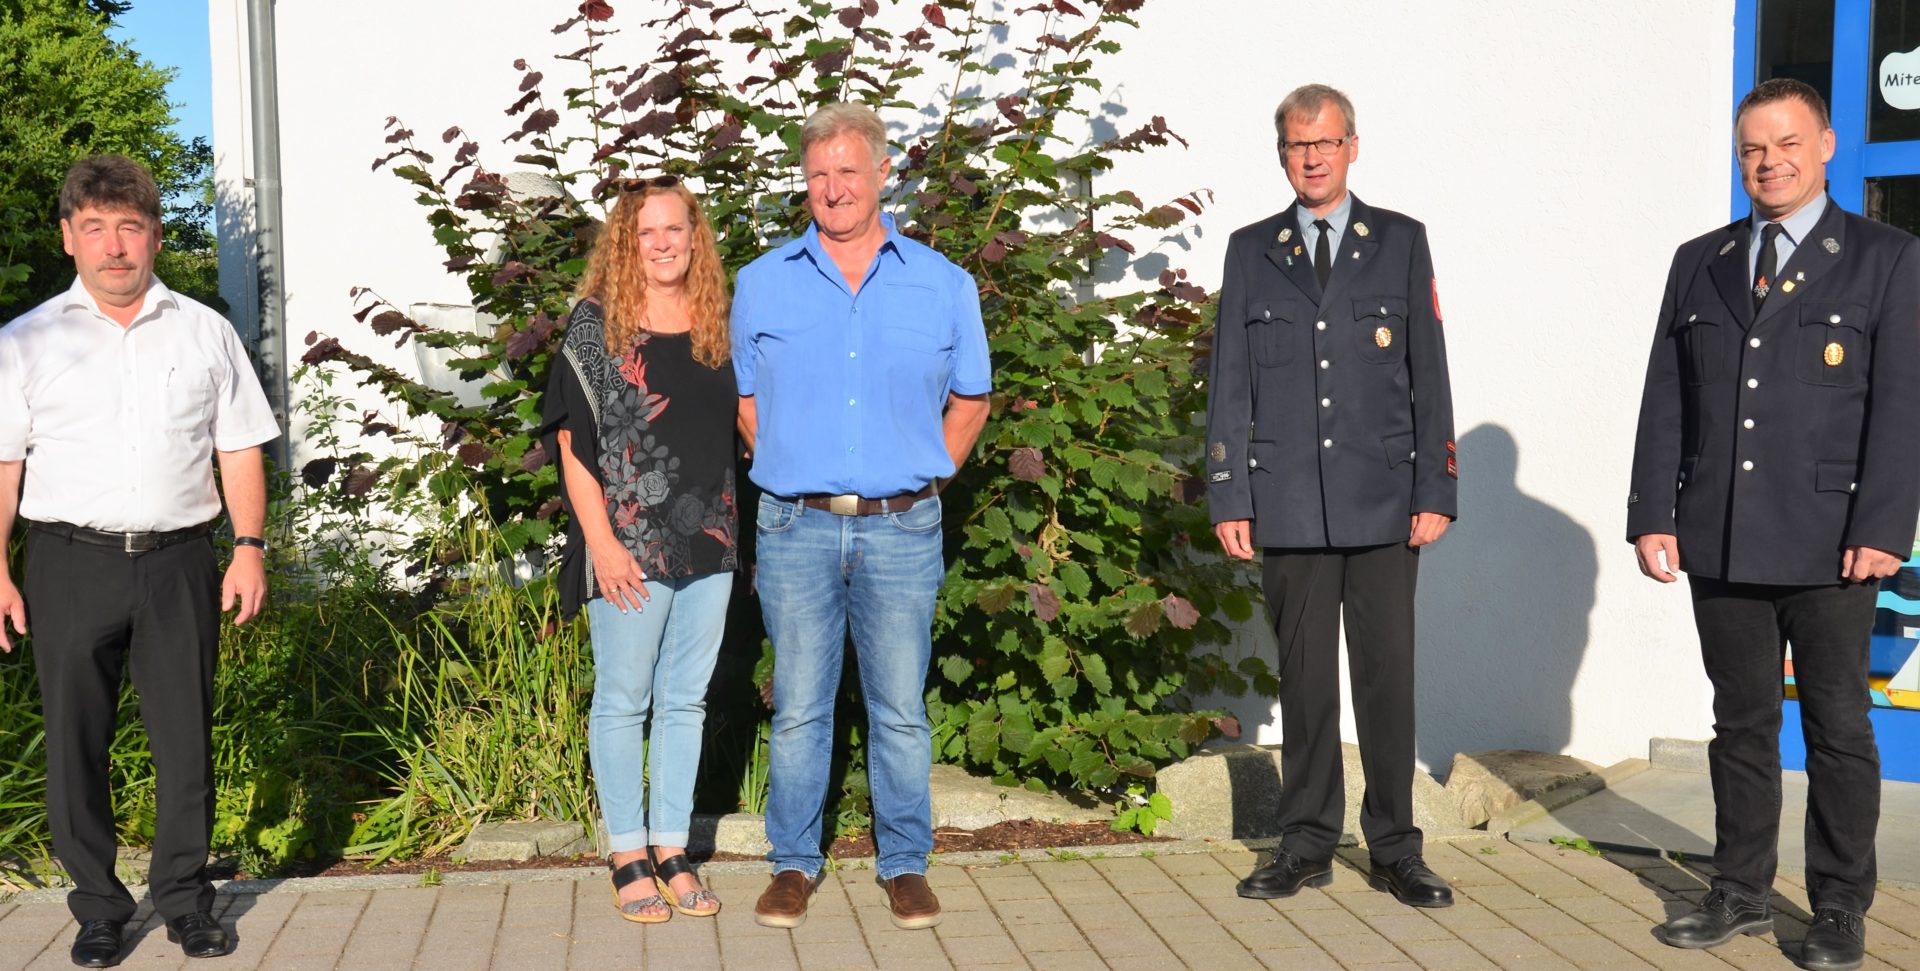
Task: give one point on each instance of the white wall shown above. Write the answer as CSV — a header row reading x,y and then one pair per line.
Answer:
x,y
1558,152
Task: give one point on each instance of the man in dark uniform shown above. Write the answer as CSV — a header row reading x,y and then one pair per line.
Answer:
x,y
1775,460
1330,446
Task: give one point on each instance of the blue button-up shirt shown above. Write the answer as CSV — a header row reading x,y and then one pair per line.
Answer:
x,y
850,388
1795,229
1336,222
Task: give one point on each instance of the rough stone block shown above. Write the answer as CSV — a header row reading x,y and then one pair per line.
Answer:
x,y
1678,754
1233,792
962,800
1483,784
523,840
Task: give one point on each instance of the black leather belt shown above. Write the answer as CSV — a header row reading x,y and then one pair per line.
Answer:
x,y
129,543
853,505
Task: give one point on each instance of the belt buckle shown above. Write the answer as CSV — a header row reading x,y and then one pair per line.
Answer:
x,y
846,505
138,543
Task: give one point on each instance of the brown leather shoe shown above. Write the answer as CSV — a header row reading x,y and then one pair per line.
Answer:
x,y
913,904
784,904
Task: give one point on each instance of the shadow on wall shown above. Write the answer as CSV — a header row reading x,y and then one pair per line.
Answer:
x,y
1503,604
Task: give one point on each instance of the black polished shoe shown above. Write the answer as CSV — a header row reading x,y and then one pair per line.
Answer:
x,y
1411,882
1719,917
199,935
1836,941
1284,875
98,944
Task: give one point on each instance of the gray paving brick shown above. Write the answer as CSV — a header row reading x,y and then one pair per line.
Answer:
x,y
1218,957
1297,959
1446,955
969,952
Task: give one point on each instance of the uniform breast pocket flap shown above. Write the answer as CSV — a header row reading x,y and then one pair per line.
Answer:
x,y
1270,332
1380,328
910,316
1700,332
1833,344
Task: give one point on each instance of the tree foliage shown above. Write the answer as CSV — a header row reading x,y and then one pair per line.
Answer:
x,y
70,91
1077,618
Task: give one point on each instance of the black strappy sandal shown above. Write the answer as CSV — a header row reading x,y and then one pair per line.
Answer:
x,y
689,903
636,910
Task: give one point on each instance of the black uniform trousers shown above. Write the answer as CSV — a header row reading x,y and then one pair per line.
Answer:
x,y
93,610
1744,629
1306,592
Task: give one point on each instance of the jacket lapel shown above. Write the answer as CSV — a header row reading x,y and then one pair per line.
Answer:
x,y
1729,272
1810,261
1289,255
1356,249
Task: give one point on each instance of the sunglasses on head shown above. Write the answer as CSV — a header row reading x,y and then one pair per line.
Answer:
x,y
657,182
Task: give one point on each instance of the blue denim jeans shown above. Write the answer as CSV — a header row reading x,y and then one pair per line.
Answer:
x,y
818,576
656,660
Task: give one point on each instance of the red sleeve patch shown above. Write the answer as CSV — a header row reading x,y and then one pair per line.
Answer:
x,y
1434,283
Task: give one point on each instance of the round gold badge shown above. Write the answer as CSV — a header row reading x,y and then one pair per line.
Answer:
x,y
1384,337
1834,354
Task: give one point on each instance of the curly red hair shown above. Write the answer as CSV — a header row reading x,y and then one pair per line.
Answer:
x,y
616,276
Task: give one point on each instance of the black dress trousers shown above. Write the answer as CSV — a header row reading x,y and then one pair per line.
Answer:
x,y
1744,628
93,611
1307,591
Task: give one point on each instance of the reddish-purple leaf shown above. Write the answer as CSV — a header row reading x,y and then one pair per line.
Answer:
x,y
312,335
993,252
522,343
1180,613
1027,464
1228,726
450,134
540,121
547,509
1046,605
525,100
1066,8
474,453
359,480
851,18
934,14
519,63
326,350
388,321
531,80
535,458
597,10
872,7
316,473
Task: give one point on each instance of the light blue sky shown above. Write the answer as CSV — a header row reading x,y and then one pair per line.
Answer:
x,y
173,34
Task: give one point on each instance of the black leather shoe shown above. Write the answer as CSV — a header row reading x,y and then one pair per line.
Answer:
x,y
1411,883
98,944
198,934
1836,941
1284,875
1719,917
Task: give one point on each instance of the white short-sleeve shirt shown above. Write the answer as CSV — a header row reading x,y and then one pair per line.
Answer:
x,y
118,425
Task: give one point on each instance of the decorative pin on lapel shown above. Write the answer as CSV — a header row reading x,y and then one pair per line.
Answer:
x,y
1801,276
1834,354
1218,452
1786,286
1356,254
1831,245
1297,250
1286,234
1724,250
1360,230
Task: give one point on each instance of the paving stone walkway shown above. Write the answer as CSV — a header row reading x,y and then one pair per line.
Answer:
x,y
1526,906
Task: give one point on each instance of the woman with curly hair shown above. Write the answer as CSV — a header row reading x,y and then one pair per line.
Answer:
x,y
640,412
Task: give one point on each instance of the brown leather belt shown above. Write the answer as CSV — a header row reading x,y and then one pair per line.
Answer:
x,y
129,543
852,505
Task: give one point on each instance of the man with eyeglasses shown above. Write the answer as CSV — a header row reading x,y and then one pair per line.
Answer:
x,y
1330,447
1775,464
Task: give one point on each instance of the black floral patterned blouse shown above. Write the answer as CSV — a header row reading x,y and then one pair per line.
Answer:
x,y
656,429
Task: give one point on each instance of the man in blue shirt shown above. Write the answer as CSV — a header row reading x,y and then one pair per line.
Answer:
x,y
863,374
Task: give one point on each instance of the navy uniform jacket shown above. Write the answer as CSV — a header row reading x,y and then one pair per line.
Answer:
x,y
1329,416
1769,445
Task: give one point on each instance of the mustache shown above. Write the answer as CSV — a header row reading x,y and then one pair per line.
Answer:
x,y
118,265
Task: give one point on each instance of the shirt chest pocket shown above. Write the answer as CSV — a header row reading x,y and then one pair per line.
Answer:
x,y
1272,333
1700,332
1380,329
1832,351
907,316
182,399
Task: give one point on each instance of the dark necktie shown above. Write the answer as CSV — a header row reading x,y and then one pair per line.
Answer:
x,y
1765,264
1323,253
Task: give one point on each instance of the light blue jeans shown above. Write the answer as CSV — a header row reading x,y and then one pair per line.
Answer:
x,y
657,660
820,575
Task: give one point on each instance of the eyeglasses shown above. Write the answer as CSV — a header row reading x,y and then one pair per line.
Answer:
x,y
657,182
1325,146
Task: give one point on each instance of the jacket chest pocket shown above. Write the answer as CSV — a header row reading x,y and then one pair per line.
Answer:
x,y
1380,329
1832,351
1701,334
1271,334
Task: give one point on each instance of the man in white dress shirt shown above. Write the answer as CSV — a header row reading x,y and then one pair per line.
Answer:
x,y
116,398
